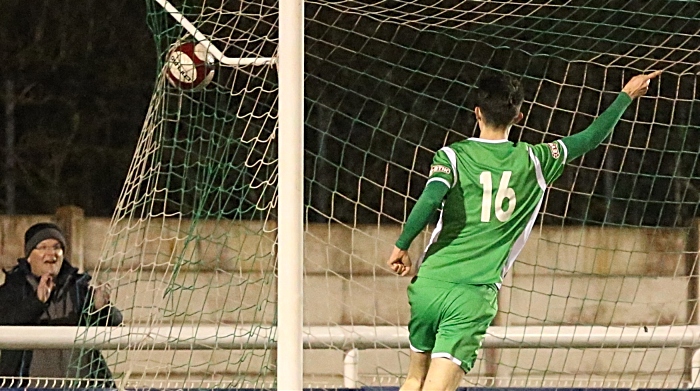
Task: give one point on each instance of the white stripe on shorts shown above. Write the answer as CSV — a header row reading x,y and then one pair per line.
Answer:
x,y
415,349
447,356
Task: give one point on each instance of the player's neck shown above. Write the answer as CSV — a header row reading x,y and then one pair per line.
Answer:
x,y
493,133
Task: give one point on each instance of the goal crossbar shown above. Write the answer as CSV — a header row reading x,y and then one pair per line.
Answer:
x,y
211,48
340,337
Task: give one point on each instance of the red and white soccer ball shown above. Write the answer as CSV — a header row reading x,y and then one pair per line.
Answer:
x,y
189,66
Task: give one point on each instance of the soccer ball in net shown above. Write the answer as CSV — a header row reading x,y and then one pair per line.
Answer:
x,y
189,66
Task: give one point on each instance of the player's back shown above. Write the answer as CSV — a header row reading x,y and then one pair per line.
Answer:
x,y
495,195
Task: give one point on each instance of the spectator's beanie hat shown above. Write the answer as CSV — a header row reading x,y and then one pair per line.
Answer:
x,y
40,232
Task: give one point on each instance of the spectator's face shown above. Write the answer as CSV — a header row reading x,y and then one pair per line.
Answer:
x,y
46,258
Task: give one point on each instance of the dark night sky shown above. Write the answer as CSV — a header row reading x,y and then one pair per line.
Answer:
x,y
78,76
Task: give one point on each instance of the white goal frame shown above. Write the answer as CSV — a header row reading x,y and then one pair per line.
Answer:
x,y
211,48
290,231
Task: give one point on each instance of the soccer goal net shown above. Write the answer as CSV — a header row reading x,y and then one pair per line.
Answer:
x,y
604,294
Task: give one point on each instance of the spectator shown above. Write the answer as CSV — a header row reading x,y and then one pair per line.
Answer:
x,y
44,289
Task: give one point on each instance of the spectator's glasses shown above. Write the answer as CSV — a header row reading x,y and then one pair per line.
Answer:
x,y
44,249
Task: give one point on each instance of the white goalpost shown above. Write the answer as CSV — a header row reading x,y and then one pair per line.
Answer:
x,y
290,246
290,234
290,254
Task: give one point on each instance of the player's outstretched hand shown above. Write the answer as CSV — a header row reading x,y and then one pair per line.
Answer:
x,y
400,262
639,85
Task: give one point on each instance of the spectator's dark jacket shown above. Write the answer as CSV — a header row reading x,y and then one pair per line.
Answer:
x,y
70,304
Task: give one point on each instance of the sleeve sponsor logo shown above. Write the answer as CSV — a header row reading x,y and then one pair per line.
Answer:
x,y
554,149
434,169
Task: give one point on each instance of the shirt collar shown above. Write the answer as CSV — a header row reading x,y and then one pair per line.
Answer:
x,y
483,140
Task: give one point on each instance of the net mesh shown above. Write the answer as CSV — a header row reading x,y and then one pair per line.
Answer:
x,y
388,83
192,242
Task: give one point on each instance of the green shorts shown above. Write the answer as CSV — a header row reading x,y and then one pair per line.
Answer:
x,y
450,320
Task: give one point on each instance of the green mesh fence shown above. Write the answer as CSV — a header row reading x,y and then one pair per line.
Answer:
x,y
191,247
388,83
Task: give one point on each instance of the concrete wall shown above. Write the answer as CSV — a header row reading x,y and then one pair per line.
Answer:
x,y
564,276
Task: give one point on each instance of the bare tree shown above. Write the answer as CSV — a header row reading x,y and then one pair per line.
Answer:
x,y
81,74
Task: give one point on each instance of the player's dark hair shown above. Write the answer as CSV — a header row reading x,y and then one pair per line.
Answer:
x,y
499,97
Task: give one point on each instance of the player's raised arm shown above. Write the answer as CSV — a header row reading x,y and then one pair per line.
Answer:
x,y
600,129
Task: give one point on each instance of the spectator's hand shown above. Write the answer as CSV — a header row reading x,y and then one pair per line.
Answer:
x,y
46,285
639,85
100,295
400,262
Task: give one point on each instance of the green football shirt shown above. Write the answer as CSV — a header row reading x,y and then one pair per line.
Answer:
x,y
495,193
